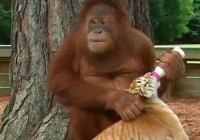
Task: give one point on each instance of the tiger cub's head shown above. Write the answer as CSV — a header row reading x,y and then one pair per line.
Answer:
x,y
145,86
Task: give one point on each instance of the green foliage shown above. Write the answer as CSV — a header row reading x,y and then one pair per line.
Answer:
x,y
170,18
5,24
194,25
6,4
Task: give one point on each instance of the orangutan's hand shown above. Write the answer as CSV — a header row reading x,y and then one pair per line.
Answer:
x,y
173,64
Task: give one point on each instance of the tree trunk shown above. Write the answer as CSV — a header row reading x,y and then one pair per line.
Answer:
x,y
139,15
38,29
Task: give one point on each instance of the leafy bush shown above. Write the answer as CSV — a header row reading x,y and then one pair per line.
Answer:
x,y
5,22
170,19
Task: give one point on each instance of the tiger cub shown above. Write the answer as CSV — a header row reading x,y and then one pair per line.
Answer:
x,y
157,122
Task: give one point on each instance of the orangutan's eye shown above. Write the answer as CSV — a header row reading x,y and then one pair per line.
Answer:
x,y
104,21
94,21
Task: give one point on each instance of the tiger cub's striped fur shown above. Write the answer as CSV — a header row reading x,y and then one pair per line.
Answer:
x,y
157,122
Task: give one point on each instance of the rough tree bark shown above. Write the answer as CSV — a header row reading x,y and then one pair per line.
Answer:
x,y
139,15
38,29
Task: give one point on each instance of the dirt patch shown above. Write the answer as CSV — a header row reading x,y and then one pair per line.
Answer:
x,y
3,102
188,111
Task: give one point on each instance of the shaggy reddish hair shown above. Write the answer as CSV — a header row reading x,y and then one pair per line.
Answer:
x,y
116,4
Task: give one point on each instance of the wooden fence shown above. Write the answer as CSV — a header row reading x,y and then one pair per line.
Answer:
x,y
187,86
5,52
